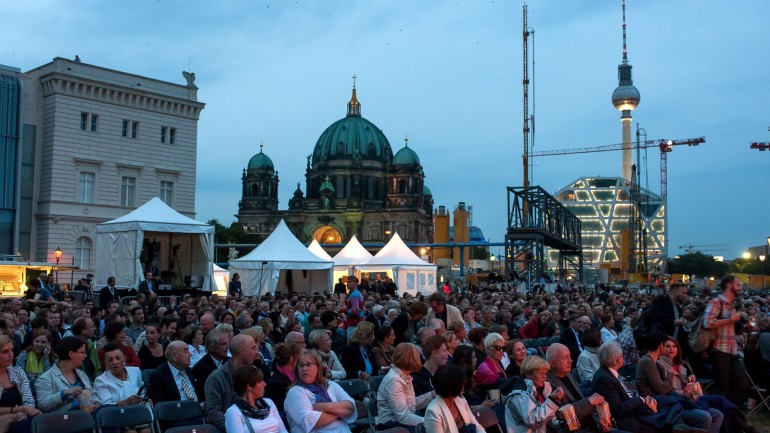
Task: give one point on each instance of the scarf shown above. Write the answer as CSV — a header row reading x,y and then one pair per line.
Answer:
x,y
35,364
286,371
321,396
260,410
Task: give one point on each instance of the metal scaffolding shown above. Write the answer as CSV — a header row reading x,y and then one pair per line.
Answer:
x,y
536,220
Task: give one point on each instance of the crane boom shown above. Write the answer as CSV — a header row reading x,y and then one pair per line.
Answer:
x,y
662,144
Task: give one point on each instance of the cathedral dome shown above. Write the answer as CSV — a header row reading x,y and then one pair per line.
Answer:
x,y
352,138
406,156
260,161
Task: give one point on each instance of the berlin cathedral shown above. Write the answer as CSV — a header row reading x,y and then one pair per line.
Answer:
x,y
354,186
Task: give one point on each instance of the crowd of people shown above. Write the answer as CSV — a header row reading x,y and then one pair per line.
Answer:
x,y
272,363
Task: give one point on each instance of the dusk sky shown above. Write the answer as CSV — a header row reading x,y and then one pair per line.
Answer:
x,y
448,74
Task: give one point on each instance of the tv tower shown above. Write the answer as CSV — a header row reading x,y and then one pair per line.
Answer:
x,y
625,98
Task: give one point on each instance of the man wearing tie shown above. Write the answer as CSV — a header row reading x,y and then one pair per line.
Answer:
x,y
572,337
148,285
173,380
108,294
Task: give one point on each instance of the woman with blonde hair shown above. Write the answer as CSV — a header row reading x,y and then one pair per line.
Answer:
x,y
532,404
355,358
317,404
397,405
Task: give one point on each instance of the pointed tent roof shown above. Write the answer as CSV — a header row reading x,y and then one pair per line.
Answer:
x,y
396,253
283,246
352,254
155,215
318,250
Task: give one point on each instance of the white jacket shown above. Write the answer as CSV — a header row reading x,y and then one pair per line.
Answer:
x,y
438,418
396,400
453,314
525,414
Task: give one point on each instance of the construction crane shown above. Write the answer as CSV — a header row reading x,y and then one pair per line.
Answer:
x,y
665,147
692,248
760,146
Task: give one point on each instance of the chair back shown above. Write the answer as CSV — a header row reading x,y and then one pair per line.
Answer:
x,y
146,375
120,417
197,428
63,422
394,430
178,414
374,384
529,343
487,418
355,388
363,421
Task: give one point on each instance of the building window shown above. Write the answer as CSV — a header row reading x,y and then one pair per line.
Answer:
x,y
130,128
127,188
88,121
83,248
86,187
167,192
167,135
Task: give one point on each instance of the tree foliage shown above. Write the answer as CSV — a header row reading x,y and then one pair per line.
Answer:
x,y
229,235
697,263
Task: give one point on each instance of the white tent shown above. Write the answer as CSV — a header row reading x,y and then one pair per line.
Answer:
x,y
318,250
221,280
282,262
119,245
351,255
410,273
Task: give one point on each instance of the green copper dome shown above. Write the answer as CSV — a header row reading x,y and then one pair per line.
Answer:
x,y
352,138
406,156
426,190
260,161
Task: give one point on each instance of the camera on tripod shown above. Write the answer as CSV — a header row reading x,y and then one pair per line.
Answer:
x,y
175,247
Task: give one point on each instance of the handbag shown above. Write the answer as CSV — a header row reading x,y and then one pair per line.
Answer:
x,y
701,338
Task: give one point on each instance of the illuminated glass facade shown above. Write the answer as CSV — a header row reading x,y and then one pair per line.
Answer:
x,y
604,207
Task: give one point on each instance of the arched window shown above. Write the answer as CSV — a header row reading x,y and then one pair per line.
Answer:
x,y
83,248
402,186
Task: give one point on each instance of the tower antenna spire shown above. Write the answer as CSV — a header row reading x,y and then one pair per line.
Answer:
x,y
625,48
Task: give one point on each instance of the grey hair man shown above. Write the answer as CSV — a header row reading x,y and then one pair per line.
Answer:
x,y
560,375
219,386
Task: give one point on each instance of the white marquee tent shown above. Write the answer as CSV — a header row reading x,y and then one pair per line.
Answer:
x,y
353,254
221,280
119,244
318,250
282,262
410,273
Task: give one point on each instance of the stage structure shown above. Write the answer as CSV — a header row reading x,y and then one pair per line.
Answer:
x,y
537,220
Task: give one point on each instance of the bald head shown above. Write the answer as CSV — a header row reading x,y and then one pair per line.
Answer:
x,y
295,338
206,323
178,355
244,350
559,357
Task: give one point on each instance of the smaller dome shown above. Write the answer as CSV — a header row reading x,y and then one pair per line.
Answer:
x,y
426,190
260,161
406,156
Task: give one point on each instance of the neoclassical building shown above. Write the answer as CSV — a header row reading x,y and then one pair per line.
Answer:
x,y
354,186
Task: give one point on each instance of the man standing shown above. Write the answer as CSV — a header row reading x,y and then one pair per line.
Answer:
x,y
108,294
666,315
153,270
148,285
340,287
729,374
449,314
173,380
219,386
560,376
355,304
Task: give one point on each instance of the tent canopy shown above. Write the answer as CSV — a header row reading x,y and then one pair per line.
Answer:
x,y
352,254
410,273
282,262
318,250
119,245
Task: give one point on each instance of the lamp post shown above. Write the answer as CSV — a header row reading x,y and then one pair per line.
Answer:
x,y
57,253
762,263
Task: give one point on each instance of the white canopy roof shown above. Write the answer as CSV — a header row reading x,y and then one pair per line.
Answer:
x,y
352,254
318,250
155,216
272,265
410,273
395,253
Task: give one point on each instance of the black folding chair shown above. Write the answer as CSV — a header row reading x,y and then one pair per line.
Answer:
x,y
178,414
146,375
197,428
355,388
374,384
762,401
487,418
63,422
364,420
121,417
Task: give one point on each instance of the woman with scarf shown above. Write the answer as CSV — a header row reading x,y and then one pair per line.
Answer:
x,y
317,405
321,342
251,412
37,358
397,405
283,374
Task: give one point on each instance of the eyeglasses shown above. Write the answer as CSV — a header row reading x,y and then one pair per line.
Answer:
x,y
306,365
497,348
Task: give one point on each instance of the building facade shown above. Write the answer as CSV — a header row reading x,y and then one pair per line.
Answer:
x,y
100,143
355,185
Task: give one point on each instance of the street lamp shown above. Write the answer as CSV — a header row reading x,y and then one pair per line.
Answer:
x,y
57,253
762,262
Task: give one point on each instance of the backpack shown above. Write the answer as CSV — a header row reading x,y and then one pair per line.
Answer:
x,y
701,338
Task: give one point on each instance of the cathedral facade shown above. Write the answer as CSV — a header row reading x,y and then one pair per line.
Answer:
x,y
355,185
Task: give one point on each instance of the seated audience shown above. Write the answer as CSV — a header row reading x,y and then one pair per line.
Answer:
x,y
283,374
449,411
321,343
65,386
532,403
355,359
119,385
250,406
37,358
17,406
396,402
173,380
588,362
382,353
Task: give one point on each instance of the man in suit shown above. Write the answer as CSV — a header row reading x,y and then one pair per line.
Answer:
x,y
560,376
666,315
148,285
173,380
572,337
108,294
377,317
216,354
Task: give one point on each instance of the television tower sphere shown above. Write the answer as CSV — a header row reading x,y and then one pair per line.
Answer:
x,y
626,97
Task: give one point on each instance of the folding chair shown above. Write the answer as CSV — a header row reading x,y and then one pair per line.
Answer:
x,y
355,388
705,383
529,343
542,344
197,428
364,420
146,375
487,418
120,417
178,414
762,401
374,384
63,422
394,430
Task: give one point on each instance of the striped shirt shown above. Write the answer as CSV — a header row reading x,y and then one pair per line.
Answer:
x,y
718,309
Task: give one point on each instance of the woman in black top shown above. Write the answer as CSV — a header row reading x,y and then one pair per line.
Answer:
x,y
151,354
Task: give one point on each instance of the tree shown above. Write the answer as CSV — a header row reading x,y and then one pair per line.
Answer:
x,y
228,235
697,263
